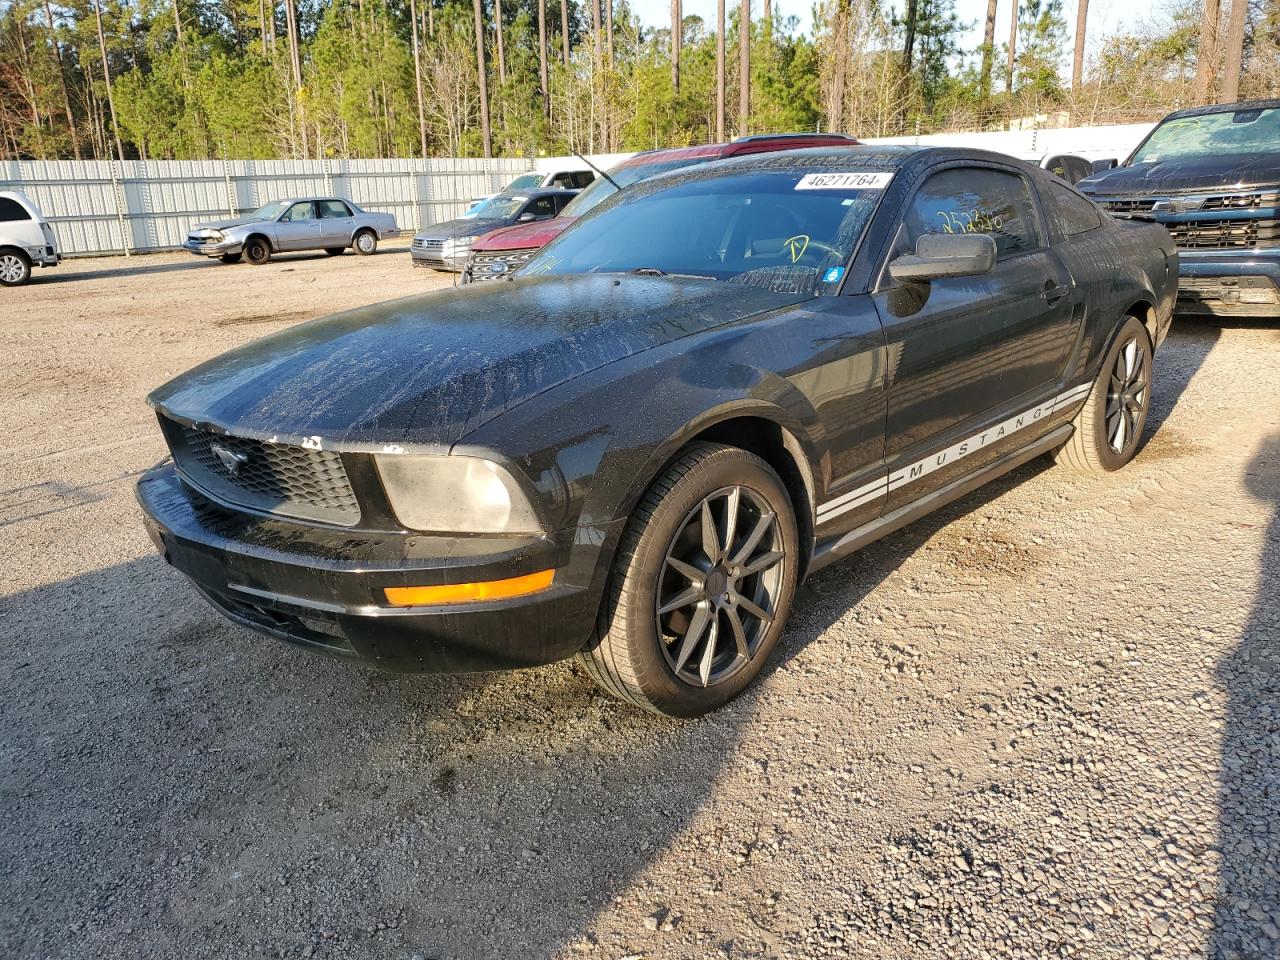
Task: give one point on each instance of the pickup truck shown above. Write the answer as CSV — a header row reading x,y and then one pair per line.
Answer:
x,y
1211,177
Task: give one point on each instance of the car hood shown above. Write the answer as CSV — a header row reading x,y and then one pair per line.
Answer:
x,y
522,236
1222,173
462,227
423,372
226,224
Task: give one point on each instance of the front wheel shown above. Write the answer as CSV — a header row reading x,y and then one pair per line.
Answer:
x,y
257,251
15,268
1109,425
365,242
701,587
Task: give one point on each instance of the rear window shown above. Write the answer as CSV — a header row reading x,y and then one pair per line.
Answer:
x,y
11,210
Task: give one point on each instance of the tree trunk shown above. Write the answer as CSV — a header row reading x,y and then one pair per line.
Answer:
x,y
564,31
485,131
677,29
720,71
1013,48
295,63
744,68
1077,62
1206,60
502,47
1234,51
988,48
608,30
417,76
62,79
909,41
262,26
106,76
543,86
767,12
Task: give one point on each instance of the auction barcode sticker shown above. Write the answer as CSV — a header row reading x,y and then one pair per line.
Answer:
x,y
868,180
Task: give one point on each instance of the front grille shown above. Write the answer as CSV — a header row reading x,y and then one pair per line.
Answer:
x,y
1128,207
282,479
496,264
428,244
1198,234
1251,228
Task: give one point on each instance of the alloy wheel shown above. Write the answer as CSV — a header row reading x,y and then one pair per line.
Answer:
x,y
365,242
719,586
1126,397
11,268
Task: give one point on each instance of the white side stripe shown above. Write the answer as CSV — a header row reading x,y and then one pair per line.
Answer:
x,y
921,468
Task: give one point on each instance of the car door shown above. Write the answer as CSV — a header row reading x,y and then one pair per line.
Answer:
x,y
969,353
298,228
336,222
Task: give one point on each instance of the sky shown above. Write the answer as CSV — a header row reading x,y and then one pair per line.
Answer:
x,y
1104,15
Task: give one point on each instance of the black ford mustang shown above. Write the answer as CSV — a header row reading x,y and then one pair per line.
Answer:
x,y
716,383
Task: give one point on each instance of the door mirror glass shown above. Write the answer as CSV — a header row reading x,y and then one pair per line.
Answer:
x,y
526,217
1102,166
940,255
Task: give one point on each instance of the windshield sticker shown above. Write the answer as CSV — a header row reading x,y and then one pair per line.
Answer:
x,y
845,181
833,275
796,245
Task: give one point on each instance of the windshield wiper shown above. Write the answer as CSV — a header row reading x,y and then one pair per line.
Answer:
x,y
656,272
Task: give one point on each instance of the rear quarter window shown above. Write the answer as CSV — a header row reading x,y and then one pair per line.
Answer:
x,y
11,210
1075,215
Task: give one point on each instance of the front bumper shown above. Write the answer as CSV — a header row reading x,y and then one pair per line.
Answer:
x,y
1229,283
322,587
212,248
439,259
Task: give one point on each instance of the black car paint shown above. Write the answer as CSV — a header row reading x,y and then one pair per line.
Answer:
x,y
1215,271
585,387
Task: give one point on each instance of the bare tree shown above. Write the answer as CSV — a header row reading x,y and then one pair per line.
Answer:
x,y
677,30
106,76
1206,59
543,86
486,131
417,75
1013,48
564,30
608,29
1077,62
744,68
62,78
1234,51
767,13
295,62
720,70
502,48
988,49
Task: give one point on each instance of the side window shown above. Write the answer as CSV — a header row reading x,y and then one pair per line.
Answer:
x,y
333,210
542,207
583,179
300,212
1076,215
561,203
974,200
11,210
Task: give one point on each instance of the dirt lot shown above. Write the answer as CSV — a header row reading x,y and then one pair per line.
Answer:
x,y
1043,723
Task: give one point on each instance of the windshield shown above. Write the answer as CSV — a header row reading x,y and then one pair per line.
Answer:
x,y
624,176
1230,133
270,211
501,207
788,231
525,181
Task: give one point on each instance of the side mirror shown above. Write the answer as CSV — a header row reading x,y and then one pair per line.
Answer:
x,y
1102,166
940,255
526,217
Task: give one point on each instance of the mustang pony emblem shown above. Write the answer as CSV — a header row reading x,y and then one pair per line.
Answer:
x,y
233,460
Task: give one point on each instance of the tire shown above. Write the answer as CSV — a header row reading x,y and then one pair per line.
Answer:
x,y
257,251
335,251
365,243
15,268
230,257
1109,426
685,659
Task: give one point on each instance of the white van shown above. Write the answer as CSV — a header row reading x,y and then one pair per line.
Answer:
x,y
26,240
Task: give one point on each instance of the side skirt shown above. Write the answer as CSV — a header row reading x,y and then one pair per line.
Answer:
x,y
834,548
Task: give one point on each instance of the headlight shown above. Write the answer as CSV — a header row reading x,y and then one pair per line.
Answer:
x,y
455,495
459,245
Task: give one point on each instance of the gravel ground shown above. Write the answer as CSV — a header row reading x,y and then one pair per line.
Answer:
x,y
1044,722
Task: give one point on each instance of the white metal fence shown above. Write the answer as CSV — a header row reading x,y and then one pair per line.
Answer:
x,y
102,206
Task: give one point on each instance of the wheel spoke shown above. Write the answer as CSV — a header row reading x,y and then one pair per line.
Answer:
x,y
1130,355
709,651
1118,437
731,519
757,534
682,599
695,576
710,536
762,562
739,632
697,627
750,606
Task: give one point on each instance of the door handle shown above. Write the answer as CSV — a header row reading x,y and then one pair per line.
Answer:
x,y
1054,292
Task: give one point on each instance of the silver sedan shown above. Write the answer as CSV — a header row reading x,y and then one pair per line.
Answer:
x,y
330,224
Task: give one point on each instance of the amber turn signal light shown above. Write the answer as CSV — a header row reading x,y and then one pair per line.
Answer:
x,y
469,592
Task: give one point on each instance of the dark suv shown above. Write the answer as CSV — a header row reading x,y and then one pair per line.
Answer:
x,y
1211,176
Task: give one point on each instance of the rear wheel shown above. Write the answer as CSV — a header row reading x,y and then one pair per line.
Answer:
x,y
335,251
365,242
230,258
257,251
15,268
1109,425
701,587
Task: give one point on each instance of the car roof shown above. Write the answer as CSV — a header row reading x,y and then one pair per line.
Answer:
x,y
1272,104
740,145
539,192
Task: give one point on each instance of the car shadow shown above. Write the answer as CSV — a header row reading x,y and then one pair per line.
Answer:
x,y
1247,910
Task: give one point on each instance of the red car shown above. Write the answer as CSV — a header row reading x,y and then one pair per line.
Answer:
x,y
499,252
